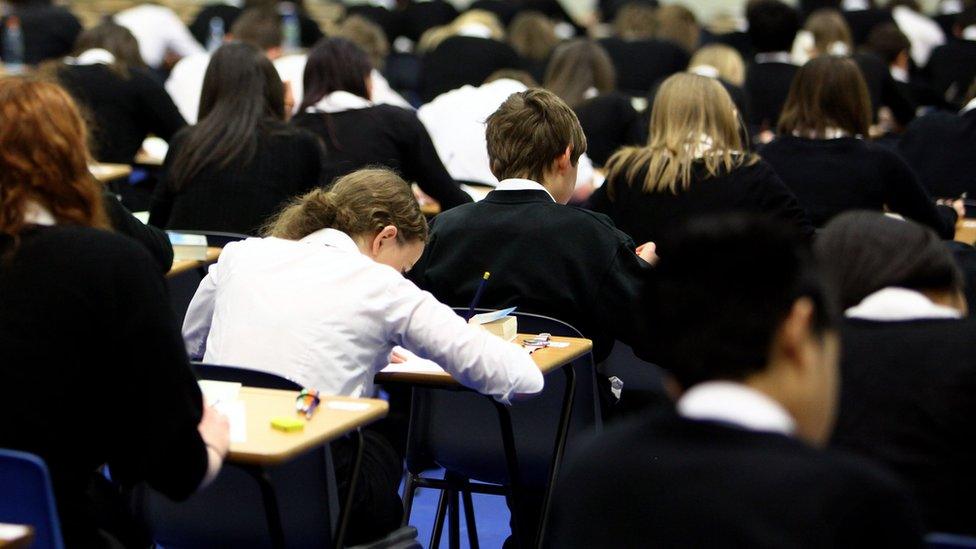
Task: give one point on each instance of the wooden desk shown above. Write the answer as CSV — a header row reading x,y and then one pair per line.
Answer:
x,y
966,231
547,359
181,266
16,536
110,172
334,418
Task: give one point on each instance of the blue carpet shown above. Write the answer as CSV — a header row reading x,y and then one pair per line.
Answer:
x,y
491,517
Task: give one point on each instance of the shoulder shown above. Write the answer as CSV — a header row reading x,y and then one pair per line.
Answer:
x,y
87,249
394,112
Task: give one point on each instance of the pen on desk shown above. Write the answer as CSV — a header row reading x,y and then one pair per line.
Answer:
x,y
477,295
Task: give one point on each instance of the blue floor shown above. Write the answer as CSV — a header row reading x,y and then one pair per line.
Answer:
x,y
491,517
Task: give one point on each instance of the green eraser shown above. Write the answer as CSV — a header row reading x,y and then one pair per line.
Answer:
x,y
287,424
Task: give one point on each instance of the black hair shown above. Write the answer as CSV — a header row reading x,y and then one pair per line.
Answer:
x,y
863,252
242,93
723,289
772,25
335,64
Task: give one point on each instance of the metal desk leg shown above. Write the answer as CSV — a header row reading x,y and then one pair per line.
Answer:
x,y
557,454
271,511
353,480
514,476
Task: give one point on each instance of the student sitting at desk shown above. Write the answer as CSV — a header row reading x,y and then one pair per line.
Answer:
x,y
92,369
338,107
322,300
734,464
908,372
544,257
241,162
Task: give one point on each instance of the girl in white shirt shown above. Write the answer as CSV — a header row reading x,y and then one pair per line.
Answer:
x,y
322,300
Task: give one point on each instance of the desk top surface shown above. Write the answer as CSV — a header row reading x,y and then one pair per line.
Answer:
x,y
335,417
109,172
547,359
966,231
183,265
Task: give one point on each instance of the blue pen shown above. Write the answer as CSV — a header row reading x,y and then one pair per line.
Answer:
x,y
477,295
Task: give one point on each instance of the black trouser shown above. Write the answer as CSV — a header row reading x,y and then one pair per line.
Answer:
x,y
376,509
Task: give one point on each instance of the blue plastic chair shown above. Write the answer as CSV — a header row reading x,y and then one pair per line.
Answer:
x,y
940,540
26,497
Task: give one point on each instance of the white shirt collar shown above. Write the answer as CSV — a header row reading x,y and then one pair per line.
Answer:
x,y
855,5
899,75
774,57
515,184
735,403
334,238
969,33
340,101
894,304
94,56
37,214
969,106
707,71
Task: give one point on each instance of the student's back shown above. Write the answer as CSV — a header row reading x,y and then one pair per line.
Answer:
x,y
906,395
767,84
941,148
545,258
463,60
642,63
79,307
668,481
239,198
830,176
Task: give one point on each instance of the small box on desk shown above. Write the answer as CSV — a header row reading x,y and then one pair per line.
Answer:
x,y
505,327
188,246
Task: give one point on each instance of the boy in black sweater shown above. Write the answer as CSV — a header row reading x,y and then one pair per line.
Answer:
x,y
544,257
772,27
754,345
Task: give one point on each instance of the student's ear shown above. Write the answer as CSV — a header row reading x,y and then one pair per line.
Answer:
x,y
564,162
385,237
795,333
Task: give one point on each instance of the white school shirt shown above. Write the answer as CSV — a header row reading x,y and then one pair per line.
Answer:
x,y
924,33
291,69
455,121
321,313
158,29
515,184
185,84
899,304
735,403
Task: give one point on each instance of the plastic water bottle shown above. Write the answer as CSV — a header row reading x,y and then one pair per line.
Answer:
x,y
216,37
13,47
291,31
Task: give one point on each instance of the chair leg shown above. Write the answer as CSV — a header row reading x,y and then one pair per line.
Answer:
x,y
435,536
409,490
469,517
454,522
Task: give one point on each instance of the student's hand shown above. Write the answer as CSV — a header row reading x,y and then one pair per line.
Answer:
x,y
958,204
582,192
397,358
214,429
648,252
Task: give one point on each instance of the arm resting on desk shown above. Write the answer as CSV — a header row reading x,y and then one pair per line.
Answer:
x,y
476,358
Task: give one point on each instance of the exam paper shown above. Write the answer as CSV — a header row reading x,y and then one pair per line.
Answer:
x,y
237,416
414,364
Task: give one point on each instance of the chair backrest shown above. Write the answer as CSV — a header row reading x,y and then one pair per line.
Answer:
x,y
26,497
183,286
244,376
949,541
460,429
230,512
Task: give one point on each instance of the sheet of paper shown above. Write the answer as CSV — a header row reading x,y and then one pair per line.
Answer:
x,y
412,364
346,405
219,391
237,416
485,318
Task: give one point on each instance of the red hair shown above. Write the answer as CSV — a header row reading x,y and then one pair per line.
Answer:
x,y
44,157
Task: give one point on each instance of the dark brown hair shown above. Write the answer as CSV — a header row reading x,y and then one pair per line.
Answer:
x,y
529,131
576,67
827,92
259,27
115,39
360,203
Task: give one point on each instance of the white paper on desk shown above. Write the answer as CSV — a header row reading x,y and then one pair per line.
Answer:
x,y
236,415
219,391
412,365
346,405
485,318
